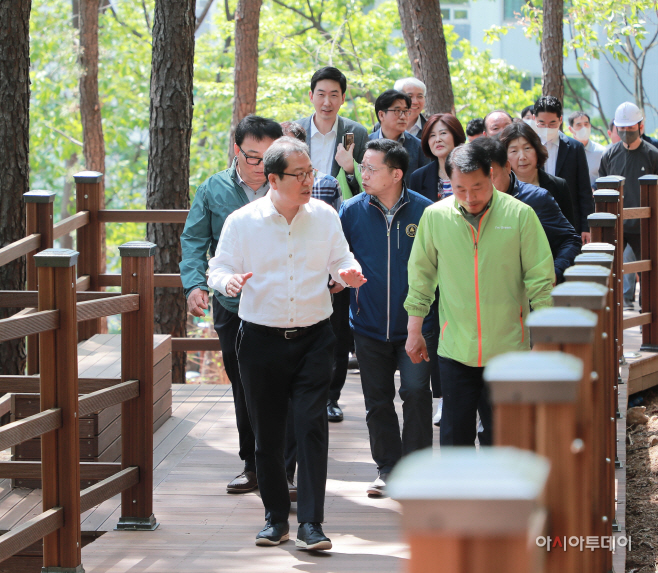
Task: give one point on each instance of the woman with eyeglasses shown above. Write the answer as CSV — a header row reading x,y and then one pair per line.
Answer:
x,y
441,134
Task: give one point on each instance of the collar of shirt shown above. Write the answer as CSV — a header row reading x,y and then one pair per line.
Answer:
x,y
251,194
389,213
400,139
315,131
474,220
416,128
269,210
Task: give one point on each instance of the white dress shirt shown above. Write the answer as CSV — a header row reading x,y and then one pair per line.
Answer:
x,y
290,263
323,147
594,152
552,147
416,128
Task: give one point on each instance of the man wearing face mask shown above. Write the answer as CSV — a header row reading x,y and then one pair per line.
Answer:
x,y
566,159
581,129
632,157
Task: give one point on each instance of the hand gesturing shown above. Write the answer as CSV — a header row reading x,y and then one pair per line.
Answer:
x,y
236,282
352,277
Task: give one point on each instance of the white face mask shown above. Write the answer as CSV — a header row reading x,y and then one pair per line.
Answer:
x,y
548,133
583,134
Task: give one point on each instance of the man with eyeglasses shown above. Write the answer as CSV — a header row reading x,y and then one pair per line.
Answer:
x,y
278,252
393,110
215,199
417,91
380,227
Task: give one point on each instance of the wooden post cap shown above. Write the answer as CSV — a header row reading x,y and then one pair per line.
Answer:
x,y
588,273
39,196
464,491
533,377
610,182
601,220
137,249
648,179
56,258
601,259
587,295
88,177
562,325
606,196
606,248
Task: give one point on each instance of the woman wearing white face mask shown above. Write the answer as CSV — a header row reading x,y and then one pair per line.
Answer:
x,y
581,129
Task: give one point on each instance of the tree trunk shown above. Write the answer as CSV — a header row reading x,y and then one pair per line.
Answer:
x,y
422,28
552,49
170,130
14,156
245,83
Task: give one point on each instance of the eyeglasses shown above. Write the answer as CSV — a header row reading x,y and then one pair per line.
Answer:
x,y
369,168
249,159
399,112
301,177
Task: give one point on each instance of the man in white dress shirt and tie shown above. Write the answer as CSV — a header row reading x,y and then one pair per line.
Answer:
x,y
278,251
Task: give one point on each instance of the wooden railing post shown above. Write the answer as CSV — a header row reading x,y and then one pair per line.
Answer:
x,y
60,449
137,364
88,196
649,280
39,211
465,511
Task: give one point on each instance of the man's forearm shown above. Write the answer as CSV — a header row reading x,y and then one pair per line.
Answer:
x,y
415,325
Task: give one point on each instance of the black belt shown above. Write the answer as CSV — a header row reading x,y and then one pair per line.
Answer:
x,y
287,333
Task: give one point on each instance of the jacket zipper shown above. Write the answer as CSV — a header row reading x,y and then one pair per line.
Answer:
x,y
477,284
398,235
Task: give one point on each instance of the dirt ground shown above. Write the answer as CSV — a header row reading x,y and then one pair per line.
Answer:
x,y
642,489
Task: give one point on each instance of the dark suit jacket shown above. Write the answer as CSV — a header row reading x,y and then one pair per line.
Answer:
x,y
412,145
571,165
344,126
426,181
560,190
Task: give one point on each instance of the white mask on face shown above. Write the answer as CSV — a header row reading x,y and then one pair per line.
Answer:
x,y
548,133
583,134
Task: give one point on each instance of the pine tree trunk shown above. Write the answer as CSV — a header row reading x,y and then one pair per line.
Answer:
x,y
552,54
14,156
170,130
422,28
245,84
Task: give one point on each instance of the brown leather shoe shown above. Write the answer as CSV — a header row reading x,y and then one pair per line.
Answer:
x,y
292,489
244,483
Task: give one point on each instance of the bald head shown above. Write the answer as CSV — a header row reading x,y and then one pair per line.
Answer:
x,y
495,122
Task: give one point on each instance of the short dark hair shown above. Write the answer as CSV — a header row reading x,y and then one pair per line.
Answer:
x,y
548,104
492,146
576,114
329,73
521,129
292,129
388,98
453,125
486,117
526,109
475,127
395,156
467,159
257,127
275,159
612,125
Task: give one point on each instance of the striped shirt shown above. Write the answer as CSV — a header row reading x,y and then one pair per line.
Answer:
x,y
326,188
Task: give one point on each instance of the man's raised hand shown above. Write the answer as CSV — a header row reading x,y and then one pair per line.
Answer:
x,y
236,282
352,277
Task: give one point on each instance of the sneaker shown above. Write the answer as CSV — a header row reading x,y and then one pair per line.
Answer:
x,y
439,411
376,488
273,534
311,537
334,413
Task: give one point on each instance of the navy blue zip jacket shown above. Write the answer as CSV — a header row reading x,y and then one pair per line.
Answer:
x,y
565,243
376,308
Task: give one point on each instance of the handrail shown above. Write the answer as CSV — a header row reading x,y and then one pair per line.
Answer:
x,y
637,266
32,427
18,327
32,470
108,397
30,532
108,488
639,320
107,307
70,224
162,280
19,248
31,384
637,213
30,298
195,344
143,215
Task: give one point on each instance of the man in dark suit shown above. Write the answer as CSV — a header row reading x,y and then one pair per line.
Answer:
x,y
325,128
566,159
392,109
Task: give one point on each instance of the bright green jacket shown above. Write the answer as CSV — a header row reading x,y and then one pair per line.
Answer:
x,y
486,277
216,198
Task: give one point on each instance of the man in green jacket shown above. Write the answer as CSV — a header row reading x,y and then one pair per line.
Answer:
x,y
216,198
491,259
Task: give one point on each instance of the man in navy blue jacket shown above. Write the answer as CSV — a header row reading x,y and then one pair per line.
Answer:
x,y
564,241
380,226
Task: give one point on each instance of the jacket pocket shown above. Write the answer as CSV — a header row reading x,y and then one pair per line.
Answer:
x,y
317,255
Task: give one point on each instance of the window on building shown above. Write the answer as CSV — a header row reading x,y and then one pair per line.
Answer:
x,y
512,7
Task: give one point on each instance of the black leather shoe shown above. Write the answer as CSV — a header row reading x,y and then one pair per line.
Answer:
x,y
243,483
310,536
334,413
292,489
273,534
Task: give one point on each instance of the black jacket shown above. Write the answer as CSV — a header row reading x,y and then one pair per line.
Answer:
x,y
560,190
571,165
425,181
565,243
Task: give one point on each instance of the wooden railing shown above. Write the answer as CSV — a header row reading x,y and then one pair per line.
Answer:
x,y
57,319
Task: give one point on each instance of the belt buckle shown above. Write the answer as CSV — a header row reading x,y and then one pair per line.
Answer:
x,y
292,331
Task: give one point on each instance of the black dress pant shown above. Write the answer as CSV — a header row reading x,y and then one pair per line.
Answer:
x,y
227,324
463,391
281,375
340,324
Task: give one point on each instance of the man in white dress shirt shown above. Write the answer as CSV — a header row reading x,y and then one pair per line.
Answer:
x,y
581,129
278,252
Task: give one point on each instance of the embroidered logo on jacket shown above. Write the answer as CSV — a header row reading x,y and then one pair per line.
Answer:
x,y
411,230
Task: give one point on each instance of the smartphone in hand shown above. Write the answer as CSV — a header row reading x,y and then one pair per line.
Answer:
x,y
348,139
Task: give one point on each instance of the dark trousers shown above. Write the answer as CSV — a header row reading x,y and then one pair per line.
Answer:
x,y
227,324
378,362
632,239
463,391
434,357
340,324
281,375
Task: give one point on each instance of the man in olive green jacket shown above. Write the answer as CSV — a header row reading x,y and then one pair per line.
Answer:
x,y
491,259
